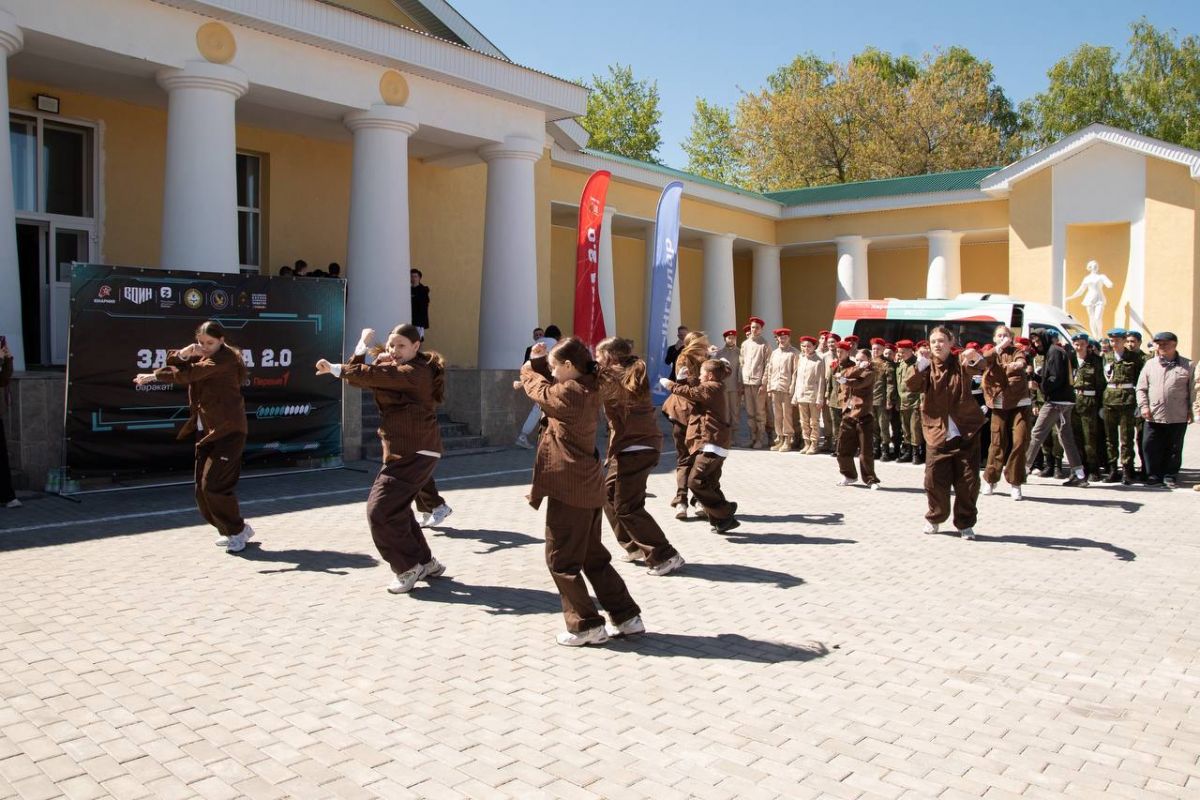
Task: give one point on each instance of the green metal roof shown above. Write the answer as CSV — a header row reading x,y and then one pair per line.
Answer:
x,y
676,173
885,187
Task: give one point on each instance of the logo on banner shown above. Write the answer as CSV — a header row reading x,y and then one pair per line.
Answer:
x,y
165,293
258,300
218,299
138,294
193,298
104,295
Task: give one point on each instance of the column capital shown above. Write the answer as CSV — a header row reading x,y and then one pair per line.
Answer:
x,y
11,38
394,118
944,234
768,249
609,211
516,147
716,237
851,240
205,75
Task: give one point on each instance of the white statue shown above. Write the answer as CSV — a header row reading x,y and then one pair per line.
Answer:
x,y
1091,289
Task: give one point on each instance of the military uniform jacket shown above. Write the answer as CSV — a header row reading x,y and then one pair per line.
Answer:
x,y
707,424
781,370
566,467
753,362
810,379
1123,378
946,387
630,415
406,395
1006,378
909,399
858,389
732,356
214,392
884,392
1089,384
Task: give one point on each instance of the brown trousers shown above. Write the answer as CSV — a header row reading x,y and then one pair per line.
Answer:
x,y
625,506
683,463
956,466
705,483
756,412
428,498
218,466
857,432
398,537
1010,440
781,410
573,547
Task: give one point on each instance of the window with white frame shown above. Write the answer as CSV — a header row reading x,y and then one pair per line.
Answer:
x,y
53,166
249,211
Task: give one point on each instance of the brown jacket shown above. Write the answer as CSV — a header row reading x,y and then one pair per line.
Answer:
x,y
630,415
946,387
214,392
858,391
407,396
567,466
707,424
676,407
1005,377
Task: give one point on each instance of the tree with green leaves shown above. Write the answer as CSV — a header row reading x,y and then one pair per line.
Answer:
x,y
623,115
711,148
1085,87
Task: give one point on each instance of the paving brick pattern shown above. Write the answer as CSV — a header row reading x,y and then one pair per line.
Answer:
x,y
824,649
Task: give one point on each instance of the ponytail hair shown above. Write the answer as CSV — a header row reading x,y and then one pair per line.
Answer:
x,y
719,367
573,350
633,377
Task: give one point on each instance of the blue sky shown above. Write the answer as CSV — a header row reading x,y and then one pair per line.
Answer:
x,y
716,50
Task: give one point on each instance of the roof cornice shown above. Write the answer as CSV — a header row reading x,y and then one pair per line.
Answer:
x,y
1000,183
342,31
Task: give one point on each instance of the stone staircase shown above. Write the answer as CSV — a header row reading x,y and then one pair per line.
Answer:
x,y
457,439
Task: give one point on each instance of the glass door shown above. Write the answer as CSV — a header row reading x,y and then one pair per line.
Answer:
x,y
69,245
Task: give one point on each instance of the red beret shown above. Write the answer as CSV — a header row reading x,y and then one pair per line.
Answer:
x,y
1023,341
852,338
746,329
972,345
956,350
809,339
844,346
759,320
877,340
889,346
989,346
922,343
905,343
783,331
730,332
823,333
835,337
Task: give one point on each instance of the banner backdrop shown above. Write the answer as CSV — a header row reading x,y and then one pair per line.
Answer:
x,y
589,317
666,262
123,321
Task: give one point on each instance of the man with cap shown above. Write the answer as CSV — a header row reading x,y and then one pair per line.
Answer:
x,y
910,403
781,384
1133,344
1089,386
857,378
1165,396
753,359
733,382
809,395
1120,407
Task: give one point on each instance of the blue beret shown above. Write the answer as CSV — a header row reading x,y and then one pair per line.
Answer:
x,y
1081,337
1116,332
1135,334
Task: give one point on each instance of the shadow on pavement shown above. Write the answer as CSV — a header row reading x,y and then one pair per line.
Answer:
x,y
835,518
1128,506
723,646
741,537
499,540
331,562
1051,543
496,599
738,573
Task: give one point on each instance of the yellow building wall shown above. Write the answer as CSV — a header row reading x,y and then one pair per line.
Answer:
x,y
545,238
1171,252
985,267
896,272
990,214
809,286
1107,244
1030,236
629,279
743,289
691,286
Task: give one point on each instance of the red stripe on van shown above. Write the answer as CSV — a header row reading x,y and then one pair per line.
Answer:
x,y
861,309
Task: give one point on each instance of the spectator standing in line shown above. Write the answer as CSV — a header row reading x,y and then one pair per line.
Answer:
x,y
674,350
420,302
299,269
548,338
335,269
1165,395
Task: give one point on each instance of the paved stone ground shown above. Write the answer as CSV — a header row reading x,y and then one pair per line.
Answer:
x,y
824,649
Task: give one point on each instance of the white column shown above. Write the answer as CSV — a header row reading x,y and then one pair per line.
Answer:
x,y
11,41
606,283
944,279
199,228
852,268
508,291
718,312
768,296
378,255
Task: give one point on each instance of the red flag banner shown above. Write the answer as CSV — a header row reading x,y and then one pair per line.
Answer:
x,y
589,318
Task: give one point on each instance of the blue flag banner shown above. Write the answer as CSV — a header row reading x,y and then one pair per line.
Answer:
x,y
666,263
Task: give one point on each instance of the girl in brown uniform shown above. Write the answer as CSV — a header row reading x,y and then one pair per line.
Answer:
x,y
710,438
1006,392
678,410
408,386
566,469
634,442
214,373
857,381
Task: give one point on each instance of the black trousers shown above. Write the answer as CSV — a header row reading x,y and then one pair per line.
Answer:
x,y
1164,449
7,495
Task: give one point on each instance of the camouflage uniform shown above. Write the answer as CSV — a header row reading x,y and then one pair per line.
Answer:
x,y
910,409
1120,412
1089,386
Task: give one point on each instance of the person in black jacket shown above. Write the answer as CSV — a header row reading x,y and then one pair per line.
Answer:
x,y
1056,381
420,302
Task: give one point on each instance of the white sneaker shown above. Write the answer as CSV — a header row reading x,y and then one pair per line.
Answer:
x,y
523,441
846,482
630,627
438,516
596,635
237,544
247,534
989,489
423,520
967,533
405,581
432,568
930,527
1015,493
875,486
14,503
667,567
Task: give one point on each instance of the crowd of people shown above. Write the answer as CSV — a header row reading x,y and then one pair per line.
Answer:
x,y
300,270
